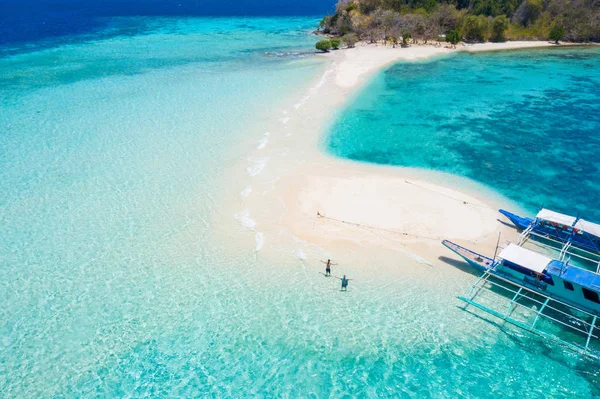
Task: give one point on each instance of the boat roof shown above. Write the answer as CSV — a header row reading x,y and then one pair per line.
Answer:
x,y
584,278
551,216
525,258
588,227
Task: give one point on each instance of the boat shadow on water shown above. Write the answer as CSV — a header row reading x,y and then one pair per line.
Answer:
x,y
506,224
460,265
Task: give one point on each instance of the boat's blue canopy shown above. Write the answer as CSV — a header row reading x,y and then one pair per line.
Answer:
x,y
584,278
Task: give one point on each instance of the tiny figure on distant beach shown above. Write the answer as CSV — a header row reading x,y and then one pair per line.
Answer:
x,y
345,283
328,265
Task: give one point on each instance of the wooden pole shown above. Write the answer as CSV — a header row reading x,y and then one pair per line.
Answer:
x,y
497,244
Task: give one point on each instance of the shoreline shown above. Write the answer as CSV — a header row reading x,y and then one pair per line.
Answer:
x,y
364,209
389,55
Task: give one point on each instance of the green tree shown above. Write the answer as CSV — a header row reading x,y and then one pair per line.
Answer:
x,y
556,33
453,37
350,39
475,28
335,43
499,26
487,7
405,38
323,45
376,20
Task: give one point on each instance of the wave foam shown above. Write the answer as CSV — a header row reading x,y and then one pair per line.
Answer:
x,y
415,257
257,167
246,192
249,223
313,90
245,220
302,102
259,240
262,143
300,254
322,81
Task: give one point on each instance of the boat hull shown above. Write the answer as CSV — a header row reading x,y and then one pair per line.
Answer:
x,y
557,290
476,260
520,222
554,301
579,240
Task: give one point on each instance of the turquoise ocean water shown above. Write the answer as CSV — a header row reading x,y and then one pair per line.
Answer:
x,y
525,123
112,155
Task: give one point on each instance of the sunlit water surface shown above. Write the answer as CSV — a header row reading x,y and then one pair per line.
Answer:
x,y
112,153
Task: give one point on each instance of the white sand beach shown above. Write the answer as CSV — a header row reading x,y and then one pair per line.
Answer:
x,y
359,62
292,194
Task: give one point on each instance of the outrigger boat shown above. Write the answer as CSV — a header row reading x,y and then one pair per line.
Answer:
x,y
564,231
553,299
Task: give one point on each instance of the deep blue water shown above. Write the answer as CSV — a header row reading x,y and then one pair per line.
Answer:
x,y
525,123
30,21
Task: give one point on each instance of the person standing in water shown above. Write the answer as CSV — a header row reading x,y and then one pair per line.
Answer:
x,y
345,283
328,267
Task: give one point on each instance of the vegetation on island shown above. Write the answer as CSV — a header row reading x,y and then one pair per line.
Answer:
x,y
323,45
400,21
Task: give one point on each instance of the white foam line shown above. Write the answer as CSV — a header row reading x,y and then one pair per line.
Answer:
x,y
273,180
313,90
415,257
250,224
245,220
323,80
257,167
284,120
259,240
302,102
262,143
246,192
300,254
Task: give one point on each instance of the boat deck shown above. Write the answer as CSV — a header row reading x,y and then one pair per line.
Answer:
x,y
539,314
475,259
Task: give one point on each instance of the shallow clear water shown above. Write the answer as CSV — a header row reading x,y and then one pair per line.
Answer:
x,y
112,157
525,123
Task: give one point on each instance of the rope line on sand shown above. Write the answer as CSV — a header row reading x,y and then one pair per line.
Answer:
x,y
373,230
364,226
449,196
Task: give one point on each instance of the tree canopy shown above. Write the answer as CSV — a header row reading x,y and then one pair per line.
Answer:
x,y
499,26
453,37
475,20
556,34
323,45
